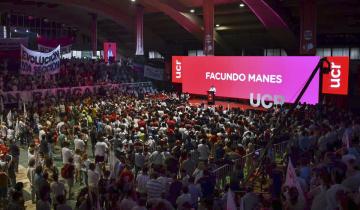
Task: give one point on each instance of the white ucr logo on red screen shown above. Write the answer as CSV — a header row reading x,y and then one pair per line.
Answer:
x,y
335,75
178,69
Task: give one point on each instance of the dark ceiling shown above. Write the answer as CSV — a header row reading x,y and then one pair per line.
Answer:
x,y
239,27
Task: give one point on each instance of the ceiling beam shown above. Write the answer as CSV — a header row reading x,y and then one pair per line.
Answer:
x,y
276,26
271,20
104,8
55,14
187,21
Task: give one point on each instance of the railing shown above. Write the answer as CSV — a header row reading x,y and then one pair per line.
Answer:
x,y
222,173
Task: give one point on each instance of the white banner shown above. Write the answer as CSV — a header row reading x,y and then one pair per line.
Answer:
x,y
33,62
63,49
42,95
153,73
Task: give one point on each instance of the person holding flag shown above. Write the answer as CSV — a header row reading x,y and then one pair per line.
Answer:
x,y
292,191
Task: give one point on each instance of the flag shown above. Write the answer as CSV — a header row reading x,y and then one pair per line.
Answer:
x,y
291,178
230,203
9,118
25,113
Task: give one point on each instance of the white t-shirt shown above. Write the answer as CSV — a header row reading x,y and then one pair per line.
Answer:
x,y
41,134
203,151
59,125
10,134
100,149
79,144
66,154
93,178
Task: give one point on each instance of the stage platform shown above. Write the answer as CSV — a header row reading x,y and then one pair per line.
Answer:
x,y
225,104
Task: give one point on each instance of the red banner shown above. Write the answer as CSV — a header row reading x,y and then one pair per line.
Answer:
x,y
337,81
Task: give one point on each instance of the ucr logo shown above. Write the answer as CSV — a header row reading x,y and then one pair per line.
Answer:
x,y
335,75
266,100
178,69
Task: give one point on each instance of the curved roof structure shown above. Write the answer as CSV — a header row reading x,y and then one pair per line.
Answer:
x,y
169,26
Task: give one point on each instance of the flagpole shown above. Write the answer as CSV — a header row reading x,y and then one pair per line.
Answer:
x,y
259,164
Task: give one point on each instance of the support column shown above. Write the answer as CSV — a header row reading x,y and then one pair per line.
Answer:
x,y
208,14
8,25
139,30
93,29
308,21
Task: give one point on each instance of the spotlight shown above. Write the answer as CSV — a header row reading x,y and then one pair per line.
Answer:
x,y
27,30
217,25
15,30
133,0
242,5
192,11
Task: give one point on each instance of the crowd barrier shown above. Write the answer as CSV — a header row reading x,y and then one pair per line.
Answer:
x,y
222,173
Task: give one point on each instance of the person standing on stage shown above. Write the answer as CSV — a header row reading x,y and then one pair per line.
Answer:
x,y
213,89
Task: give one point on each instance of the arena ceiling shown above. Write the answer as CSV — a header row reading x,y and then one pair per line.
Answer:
x,y
171,28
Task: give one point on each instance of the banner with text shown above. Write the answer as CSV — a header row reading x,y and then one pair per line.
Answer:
x,y
33,62
42,95
265,78
153,73
337,81
63,49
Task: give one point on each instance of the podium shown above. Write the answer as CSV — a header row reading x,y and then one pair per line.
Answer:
x,y
211,97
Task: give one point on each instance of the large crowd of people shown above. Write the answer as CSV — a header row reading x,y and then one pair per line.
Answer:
x,y
157,151
73,73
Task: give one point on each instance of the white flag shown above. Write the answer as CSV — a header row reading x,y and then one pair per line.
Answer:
x,y
291,178
25,113
230,203
9,119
